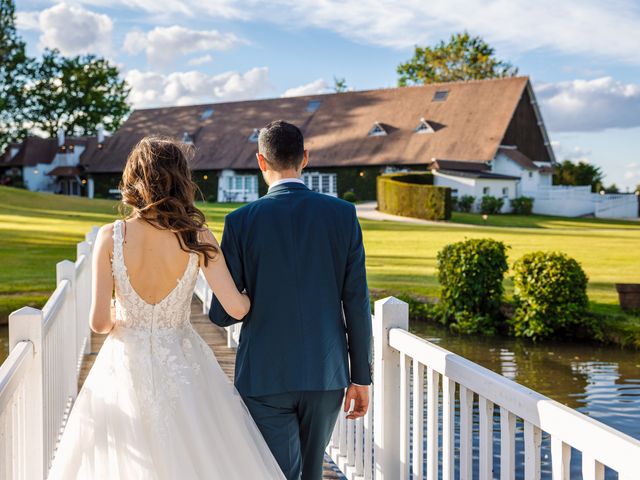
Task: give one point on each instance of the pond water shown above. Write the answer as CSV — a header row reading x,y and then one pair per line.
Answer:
x,y
602,382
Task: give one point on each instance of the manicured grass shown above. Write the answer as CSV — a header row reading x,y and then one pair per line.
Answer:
x,y
38,230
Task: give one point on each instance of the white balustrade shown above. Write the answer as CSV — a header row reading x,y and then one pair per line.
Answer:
x,y
38,381
404,363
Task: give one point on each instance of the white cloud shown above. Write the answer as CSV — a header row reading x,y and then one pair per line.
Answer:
x,y
609,30
589,105
200,60
71,29
163,44
632,172
575,154
312,88
152,89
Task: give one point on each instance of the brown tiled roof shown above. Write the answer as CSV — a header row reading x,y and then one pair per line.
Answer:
x,y
520,158
34,150
469,126
65,172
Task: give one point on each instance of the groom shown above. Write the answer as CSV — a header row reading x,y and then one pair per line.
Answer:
x,y
300,257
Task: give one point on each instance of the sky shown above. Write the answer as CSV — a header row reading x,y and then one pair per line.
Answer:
x,y
583,56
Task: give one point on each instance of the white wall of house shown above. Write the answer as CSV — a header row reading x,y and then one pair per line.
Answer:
x,y
235,187
478,187
36,178
530,180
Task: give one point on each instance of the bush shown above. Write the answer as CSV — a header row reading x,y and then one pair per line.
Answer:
x,y
491,205
212,198
411,195
550,292
470,275
522,205
465,203
349,197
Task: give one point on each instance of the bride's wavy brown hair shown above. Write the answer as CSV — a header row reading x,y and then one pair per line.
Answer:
x,y
157,186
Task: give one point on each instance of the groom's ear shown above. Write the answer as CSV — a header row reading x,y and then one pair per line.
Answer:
x,y
262,163
305,160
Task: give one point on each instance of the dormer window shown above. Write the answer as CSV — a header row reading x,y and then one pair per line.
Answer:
x,y
254,135
186,138
313,105
206,114
440,95
377,130
424,127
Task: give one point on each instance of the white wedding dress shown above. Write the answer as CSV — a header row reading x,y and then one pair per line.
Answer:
x,y
156,404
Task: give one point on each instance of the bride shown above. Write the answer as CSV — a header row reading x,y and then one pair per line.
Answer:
x,y
156,404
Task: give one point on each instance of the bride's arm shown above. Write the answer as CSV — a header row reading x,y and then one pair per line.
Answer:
x,y
102,282
235,303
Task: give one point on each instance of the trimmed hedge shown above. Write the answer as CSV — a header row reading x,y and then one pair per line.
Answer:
x,y
550,291
413,195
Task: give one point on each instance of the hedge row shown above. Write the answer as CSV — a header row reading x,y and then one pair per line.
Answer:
x,y
413,195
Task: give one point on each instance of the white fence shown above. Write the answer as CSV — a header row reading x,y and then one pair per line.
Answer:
x,y
38,381
432,412
568,201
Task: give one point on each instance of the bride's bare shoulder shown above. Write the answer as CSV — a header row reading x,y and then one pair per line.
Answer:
x,y
104,238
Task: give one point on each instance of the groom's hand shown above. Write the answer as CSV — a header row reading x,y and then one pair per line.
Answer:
x,y
360,396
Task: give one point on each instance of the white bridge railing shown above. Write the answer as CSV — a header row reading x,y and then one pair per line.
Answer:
x,y
38,381
435,415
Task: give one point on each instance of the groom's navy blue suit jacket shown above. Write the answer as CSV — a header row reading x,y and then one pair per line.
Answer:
x,y
299,255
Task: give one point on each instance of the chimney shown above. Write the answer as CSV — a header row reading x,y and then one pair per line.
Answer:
x,y
100,133
60,137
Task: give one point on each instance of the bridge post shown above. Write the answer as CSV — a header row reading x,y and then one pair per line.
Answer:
x,y
389,313
83,300
26,325
66,270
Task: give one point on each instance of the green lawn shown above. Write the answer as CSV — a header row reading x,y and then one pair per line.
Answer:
x,y
38,230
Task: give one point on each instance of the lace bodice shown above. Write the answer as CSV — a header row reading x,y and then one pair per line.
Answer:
x,y
133,312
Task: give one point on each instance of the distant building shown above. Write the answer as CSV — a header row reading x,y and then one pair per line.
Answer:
x,y
52,165
479,138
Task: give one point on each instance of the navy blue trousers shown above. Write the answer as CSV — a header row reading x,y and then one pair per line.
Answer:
x,y
297,427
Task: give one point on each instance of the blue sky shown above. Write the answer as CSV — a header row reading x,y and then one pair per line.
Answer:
x,y
583,56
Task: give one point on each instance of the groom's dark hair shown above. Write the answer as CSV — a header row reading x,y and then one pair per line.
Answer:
x,y
282,145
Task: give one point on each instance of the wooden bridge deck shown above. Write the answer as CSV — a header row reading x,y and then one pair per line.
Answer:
x,y
213,335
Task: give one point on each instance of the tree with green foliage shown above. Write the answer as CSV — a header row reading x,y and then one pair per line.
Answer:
x,y
581,173
462,58
15,71
340,85
77,94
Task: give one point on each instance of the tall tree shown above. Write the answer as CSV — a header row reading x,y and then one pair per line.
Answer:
x,y
339,85
15,70
581,173
77,94
463,57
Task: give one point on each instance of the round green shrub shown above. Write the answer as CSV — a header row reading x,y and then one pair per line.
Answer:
x,y
465,203
491,205
522,205
470,275
550,291
349,197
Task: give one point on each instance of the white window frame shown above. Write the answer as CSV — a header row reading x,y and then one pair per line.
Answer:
x,y
486,190
317,181
377,130
424,127
233,187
